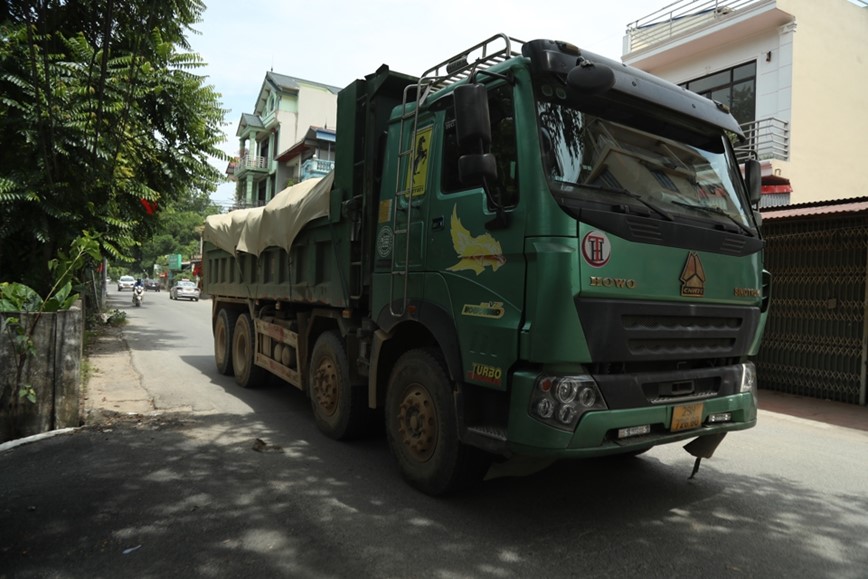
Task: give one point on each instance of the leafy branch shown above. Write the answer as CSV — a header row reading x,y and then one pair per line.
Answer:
x,y
16,297
100,109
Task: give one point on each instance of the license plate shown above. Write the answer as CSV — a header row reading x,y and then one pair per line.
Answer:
x,y
686,416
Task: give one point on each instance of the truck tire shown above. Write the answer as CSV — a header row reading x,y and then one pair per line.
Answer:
x,y
422,427
340,408
223,328
247,374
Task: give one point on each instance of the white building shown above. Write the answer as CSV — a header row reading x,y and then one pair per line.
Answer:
x,y
794,72
275,141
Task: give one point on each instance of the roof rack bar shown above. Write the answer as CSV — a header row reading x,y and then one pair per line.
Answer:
x,y
485,54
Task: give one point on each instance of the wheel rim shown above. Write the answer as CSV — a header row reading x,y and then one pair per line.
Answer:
x,y
220,341
325,387
417,422
239,351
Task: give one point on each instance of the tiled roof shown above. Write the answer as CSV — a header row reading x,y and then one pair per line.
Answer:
x,y
854,205
292,83
251,120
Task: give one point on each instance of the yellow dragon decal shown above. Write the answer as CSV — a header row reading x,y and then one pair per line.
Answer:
x,y
474,253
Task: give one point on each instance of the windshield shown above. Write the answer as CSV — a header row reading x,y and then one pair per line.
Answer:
x,y
590,158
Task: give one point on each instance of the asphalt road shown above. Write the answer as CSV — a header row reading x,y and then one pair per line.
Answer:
x,y
191,493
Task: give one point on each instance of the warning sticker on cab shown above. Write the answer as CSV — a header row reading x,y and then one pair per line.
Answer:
x,y
417,175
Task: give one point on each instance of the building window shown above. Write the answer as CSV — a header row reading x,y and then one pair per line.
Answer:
x,y
735,87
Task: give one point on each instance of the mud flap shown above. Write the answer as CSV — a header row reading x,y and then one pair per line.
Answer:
x,y
703,447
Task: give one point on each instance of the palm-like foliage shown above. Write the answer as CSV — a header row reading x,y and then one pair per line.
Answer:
x,y
99,109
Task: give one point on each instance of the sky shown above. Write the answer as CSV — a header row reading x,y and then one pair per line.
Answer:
x,y
335,42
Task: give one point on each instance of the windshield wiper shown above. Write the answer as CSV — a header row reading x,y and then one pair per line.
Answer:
x,y
652,206
716,211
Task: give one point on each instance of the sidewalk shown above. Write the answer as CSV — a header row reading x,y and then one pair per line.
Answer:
x,y
834,413
114,386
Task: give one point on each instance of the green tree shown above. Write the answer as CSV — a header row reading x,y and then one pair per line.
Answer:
x,y
178,230
103,124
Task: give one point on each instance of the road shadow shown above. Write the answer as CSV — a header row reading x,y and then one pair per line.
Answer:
x,y
222,495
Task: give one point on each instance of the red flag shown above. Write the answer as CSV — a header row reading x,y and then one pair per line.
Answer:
x,y
150,206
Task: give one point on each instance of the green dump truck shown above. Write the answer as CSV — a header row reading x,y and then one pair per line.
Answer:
x,y
519,253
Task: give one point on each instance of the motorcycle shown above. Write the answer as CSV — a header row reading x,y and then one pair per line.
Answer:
x,y
138,295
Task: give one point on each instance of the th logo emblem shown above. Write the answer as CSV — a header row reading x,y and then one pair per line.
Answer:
x,y
596,249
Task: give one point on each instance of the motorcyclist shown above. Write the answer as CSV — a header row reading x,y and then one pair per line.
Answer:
x,y
138,290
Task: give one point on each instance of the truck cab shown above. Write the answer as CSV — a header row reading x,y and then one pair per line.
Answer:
x,y
579,239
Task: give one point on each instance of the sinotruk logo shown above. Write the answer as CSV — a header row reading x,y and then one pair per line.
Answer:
x,y
693,277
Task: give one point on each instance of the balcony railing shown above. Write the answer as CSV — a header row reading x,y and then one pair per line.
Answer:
x,y
251,162
769,138
316,168
678,18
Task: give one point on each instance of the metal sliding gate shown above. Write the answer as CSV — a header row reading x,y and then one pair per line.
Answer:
x,y
816,336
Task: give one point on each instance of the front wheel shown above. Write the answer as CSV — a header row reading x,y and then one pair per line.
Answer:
x,y
422,427
247,374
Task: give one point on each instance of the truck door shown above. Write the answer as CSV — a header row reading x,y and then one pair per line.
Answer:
x,y
474,271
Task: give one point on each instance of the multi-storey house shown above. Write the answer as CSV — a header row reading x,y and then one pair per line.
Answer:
x,y
793,72
287,138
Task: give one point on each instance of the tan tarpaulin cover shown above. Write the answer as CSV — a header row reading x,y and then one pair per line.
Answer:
x,y
275,224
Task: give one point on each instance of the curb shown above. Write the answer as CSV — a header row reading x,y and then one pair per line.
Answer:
x,y
36,438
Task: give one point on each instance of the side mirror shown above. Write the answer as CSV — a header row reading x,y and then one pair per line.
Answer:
x,y
472,121
477,168
753,180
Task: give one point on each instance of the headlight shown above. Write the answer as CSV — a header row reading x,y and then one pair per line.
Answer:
x,y
566,390
588,396
748,377
561,400
545,408
748,380
567,413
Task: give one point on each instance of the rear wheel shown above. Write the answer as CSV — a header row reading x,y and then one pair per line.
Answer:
x,y
223,327
422,427
340,408
247,374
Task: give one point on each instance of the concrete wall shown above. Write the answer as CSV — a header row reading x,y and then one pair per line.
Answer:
x,y
318,107
54,371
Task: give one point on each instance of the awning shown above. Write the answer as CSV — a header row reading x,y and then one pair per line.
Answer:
x,y
774,185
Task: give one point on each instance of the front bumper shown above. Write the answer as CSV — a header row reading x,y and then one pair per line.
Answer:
x,y
595,433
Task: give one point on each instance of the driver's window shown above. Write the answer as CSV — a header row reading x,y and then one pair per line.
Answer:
x,y
503,147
